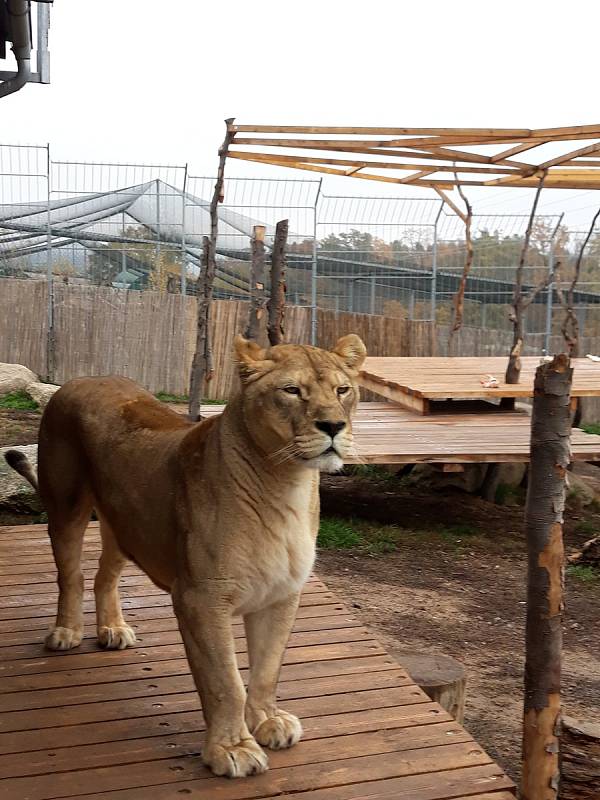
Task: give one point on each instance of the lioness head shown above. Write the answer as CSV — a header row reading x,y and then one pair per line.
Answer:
x,y
298,401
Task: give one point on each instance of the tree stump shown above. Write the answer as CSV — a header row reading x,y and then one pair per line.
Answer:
x,y
580,760
442,678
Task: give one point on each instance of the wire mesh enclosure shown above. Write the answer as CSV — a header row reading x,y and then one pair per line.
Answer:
x,y
140,227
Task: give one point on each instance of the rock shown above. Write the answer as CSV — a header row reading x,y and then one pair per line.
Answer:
x,y
579,493
431,476
17,378
41,392
502,481
16,494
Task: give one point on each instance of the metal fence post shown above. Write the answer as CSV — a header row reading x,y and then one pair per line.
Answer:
x,y
183,250
50,348
372,290
550,296
157,250
314,273
434,254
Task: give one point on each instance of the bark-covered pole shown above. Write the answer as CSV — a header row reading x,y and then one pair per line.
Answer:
x,y
276,304
550,457
459,298
570,326
258,295
513,370
202,361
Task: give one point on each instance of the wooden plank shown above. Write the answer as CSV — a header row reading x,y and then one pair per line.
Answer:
x,y
128,723
183,735
341,759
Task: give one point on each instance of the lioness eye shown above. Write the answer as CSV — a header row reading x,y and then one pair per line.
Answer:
x,y
343,390
291,390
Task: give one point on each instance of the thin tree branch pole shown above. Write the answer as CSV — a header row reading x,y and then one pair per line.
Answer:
x,y
199,362
549,459
258,295
202,361
513,370
458,301
570,326
276,303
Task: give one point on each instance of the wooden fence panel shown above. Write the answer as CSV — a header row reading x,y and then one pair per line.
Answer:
x,y
150,336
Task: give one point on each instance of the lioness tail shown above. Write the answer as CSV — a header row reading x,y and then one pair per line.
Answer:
x,y
21,464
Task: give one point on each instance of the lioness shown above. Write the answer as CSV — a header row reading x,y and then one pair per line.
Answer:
x,y
223,514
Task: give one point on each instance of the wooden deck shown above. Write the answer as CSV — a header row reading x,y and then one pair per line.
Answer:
x,y
385,433
127,724
417,382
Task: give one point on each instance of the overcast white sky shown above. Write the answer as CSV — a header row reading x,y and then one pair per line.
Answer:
x,y
152,81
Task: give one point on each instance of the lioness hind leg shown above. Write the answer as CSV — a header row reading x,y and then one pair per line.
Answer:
x,y
66,532
113,632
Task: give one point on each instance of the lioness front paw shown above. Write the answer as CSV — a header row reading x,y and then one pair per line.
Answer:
x,y
235,761
63,638
117,637
278,731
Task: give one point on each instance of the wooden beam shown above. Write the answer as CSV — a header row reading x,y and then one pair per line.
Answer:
x,y
323,129
520,148
268,157
583,151
451,204
331,171
417,175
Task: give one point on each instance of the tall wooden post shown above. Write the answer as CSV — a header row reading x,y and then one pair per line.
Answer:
x,y
202,361
258,295
276,304
550,457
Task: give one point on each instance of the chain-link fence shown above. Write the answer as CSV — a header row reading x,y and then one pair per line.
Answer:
x,y
140,227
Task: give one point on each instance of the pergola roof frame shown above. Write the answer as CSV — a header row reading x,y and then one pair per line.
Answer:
x,y
412,151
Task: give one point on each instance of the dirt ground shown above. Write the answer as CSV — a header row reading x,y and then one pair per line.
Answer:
x,y
455,584
451,580
18,427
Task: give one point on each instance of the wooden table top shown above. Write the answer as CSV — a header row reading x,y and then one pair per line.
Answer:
x,y
127,724
385,433
439,378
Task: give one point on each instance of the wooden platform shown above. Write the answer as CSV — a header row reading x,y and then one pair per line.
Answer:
x,y
417,382
385,433
126,724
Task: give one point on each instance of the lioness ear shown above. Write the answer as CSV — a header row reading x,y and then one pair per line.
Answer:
x,y
352,350
250,357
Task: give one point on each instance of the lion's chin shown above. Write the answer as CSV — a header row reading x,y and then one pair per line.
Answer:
x,y
326,462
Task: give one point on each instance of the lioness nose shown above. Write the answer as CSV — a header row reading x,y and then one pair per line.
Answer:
x,y
330,428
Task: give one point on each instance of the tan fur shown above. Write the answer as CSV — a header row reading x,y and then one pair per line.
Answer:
x,y
222,514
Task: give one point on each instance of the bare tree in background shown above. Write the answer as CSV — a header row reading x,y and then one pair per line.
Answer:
x,y
258,295
202,361
570,325
276,303
520,303
458,301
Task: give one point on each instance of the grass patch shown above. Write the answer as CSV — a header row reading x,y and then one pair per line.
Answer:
x,y
371,471
583,573
586,527
338,534
165,397
367,538
591,427
18,401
